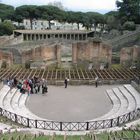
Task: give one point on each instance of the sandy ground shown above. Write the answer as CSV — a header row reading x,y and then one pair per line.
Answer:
x,y
75,103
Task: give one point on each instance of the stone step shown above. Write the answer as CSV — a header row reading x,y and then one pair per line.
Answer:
x,y
5,89
14,103
116,104
7,100
22,106
123,101
130,98
134,93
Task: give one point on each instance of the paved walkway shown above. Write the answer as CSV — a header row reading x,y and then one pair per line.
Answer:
x,y
76,103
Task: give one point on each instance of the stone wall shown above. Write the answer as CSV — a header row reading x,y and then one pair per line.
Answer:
x,y
6,57
128,56
44,53
14,40
10,40
95,52
128,39
3,39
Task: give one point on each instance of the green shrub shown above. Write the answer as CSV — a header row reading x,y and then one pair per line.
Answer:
x,y
129,25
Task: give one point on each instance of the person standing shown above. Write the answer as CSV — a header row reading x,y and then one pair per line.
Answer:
x,y
96,81
44,86
66,82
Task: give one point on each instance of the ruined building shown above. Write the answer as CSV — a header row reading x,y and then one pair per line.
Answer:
x,y
56,46
130,57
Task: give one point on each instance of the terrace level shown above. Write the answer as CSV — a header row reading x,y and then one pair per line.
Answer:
x,y
34,35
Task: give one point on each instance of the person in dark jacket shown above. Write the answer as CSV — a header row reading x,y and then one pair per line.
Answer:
x,y
66,82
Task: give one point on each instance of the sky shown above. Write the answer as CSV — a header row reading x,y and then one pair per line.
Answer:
x,y
102,6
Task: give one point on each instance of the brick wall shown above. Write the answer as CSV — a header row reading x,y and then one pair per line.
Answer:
x,y
40,53
92,52
129,55
7,57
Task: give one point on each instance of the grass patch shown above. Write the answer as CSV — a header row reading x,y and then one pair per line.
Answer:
x,y
116,66
126,134
9,122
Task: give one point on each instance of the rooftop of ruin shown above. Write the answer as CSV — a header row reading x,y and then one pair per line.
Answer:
x,y
51,31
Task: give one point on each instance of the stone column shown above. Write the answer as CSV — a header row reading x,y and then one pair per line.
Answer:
x,y
24,37
73,36
35,37
78,36
38,36
46,36
86,37
74,53
70,36
58,55
27,37
58,36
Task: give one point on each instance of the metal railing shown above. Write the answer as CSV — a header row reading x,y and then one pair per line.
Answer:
x,y
71,126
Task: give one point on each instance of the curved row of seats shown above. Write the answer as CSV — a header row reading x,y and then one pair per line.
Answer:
x,y
124,99
13,101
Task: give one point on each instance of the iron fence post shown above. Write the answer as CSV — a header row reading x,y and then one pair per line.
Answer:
x,y
111,123
0,111
138,112
87,126
28,122
35,123
129,116
118,121
16,118
60,126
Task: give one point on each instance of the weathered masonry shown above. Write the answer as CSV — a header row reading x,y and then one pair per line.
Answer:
x,y
92,51
34,35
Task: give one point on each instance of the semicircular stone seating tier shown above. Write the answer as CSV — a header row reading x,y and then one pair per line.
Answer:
x,y
123,98
134,93
13,101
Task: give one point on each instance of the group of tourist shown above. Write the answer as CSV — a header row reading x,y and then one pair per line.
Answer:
x,y
30,86
34,85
